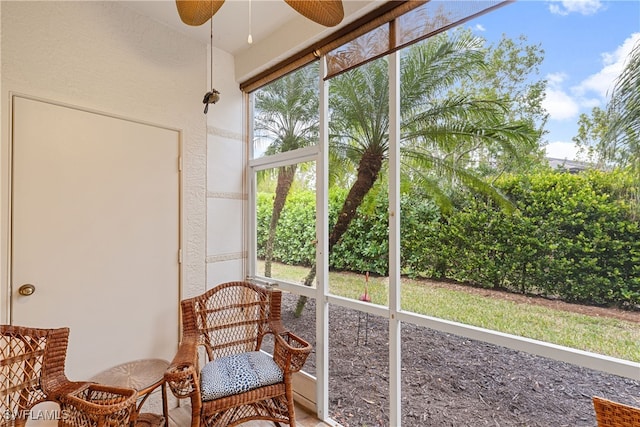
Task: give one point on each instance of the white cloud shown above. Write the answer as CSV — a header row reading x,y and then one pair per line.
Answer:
x,y
559,104
589,103
613,63
480,27
556,78
593,91
583,7
562,150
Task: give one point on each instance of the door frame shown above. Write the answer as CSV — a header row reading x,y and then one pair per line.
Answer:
x,y
6,250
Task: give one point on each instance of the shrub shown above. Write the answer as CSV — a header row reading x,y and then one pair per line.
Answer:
x,y
572,237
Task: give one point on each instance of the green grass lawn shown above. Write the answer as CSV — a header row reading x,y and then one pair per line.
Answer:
x,y
603,335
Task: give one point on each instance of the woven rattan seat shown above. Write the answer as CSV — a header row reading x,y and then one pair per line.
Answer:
x,y
32,370
229,319
613,414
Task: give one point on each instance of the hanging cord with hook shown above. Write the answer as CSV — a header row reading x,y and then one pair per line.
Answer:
x,y
213,95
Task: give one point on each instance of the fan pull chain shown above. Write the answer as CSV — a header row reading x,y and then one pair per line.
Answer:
x,y
250,39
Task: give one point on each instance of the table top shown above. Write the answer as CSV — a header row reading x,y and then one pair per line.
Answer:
x,y
138,374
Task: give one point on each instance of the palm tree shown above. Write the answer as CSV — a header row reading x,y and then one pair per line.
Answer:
x,y
621,142
286,115
439,130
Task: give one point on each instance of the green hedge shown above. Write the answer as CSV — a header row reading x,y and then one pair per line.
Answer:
x,y
589,239
296,233
573,237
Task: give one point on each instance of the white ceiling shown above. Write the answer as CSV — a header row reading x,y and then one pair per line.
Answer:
x,y
231,22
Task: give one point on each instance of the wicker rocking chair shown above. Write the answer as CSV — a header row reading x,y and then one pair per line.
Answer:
x,y
239,382
613,414
32,364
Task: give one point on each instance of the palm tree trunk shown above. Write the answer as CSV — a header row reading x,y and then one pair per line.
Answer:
x,y
368,170
285,181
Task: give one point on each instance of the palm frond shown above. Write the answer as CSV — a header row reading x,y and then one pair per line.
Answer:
x,y
621,141
424,167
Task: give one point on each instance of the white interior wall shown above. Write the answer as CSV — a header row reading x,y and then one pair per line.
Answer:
x,y
104,56
226,194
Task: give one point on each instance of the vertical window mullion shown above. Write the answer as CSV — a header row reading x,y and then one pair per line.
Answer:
x,y
250,190
395,339
322,252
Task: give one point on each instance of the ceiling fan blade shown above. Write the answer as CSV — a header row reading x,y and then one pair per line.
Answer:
x,y
197,12
325,12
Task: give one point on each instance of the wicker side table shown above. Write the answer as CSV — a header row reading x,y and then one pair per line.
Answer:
x,y
145,376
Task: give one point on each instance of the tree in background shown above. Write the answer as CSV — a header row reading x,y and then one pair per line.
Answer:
x,y
286,117
591,130
442,126
509,75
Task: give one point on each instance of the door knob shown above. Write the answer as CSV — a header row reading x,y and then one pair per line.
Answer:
x,y
26,290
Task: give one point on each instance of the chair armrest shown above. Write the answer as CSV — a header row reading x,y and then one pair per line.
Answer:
x,y
276,327
98,404
290,352
182,373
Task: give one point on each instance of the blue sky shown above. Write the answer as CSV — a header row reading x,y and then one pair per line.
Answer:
x,y
586,43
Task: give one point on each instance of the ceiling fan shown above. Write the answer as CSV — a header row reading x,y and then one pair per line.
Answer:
x,y
325,12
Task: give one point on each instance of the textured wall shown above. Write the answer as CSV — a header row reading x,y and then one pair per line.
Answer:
x,y
226,193
104,56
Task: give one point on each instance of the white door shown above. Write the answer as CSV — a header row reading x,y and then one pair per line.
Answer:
x,y
95,231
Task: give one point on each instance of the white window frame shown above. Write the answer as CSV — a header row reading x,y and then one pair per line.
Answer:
x,y
393,313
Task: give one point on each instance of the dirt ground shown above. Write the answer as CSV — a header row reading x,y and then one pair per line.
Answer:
x,y
448,380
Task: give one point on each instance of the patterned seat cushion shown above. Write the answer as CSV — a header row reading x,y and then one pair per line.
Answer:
x,y
238,373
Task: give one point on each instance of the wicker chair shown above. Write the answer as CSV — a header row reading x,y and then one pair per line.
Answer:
x,y
613,414
239,382
32,363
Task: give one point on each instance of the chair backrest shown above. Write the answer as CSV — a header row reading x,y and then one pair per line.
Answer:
x,y
31,362
613,414
231,317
